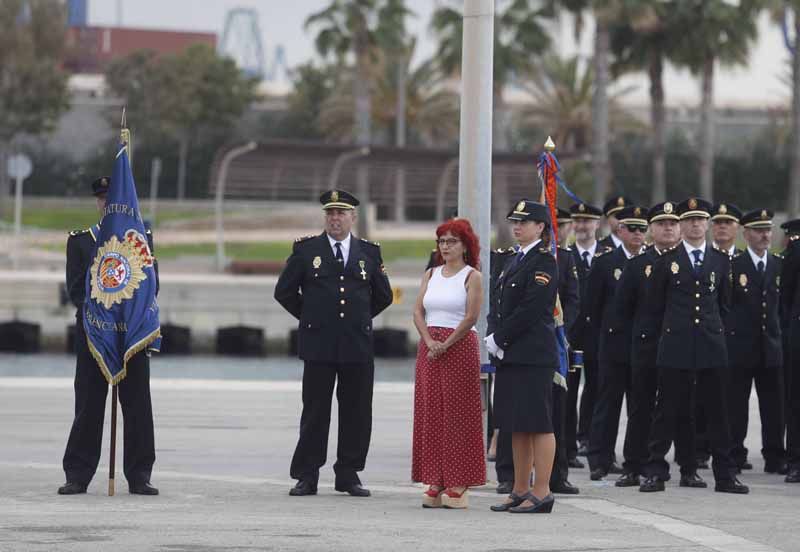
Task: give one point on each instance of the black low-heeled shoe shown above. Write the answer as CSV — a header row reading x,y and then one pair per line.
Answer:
x,y
516,500
543,506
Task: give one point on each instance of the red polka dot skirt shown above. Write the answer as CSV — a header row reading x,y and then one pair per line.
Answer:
x,y
448,446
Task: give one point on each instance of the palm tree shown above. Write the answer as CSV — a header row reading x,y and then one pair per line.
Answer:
x,y
562,98
431,110
643,39
351,27
716,31
519,38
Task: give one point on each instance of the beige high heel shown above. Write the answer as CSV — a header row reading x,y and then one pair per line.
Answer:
x,y
454,500
432,498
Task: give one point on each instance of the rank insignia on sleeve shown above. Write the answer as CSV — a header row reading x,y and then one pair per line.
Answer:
x,y
648,270
674,267
541,278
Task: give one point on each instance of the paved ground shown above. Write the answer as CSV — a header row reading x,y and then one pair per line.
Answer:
x,y
223,451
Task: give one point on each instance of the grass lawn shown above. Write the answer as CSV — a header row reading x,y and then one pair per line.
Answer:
x,y
280,250
71,218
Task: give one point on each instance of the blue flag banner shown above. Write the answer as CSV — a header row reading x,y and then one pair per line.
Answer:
x,y
120,314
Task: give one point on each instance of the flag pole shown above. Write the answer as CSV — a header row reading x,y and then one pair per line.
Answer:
x,y
125,137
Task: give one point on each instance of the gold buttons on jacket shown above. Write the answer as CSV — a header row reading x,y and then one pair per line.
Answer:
x,y
342,302
697,308
697,296
341,278
696,320
341,315
341,290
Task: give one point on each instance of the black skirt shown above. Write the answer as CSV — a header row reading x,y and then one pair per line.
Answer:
x,y
523,398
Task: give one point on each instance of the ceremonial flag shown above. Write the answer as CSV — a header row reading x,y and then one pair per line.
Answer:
x,y
120,313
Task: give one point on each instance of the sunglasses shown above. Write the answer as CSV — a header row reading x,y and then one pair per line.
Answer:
x,y
636,228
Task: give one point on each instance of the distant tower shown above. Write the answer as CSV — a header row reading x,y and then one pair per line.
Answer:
x,y
77,13
241,41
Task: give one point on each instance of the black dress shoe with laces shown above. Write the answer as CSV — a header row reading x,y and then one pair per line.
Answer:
x,y
504,487
776,467
615,469
793,476
303,488
142,488
354,490
693,481
628,480
575,463
597,474
733,486
652,484
72,488
564,487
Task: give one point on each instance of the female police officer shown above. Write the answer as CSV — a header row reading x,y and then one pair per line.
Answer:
x,y
522,337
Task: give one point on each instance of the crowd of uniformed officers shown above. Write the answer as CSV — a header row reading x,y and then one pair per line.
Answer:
x,y
680,325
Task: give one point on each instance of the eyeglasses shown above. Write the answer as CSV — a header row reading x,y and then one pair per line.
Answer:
x,y
449,242
636,228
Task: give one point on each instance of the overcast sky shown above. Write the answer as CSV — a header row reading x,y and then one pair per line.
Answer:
x,y
281,22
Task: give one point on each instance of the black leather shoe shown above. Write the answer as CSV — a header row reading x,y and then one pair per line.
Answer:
x,y
564,487
575,463
793,476
303,488
142,488
543,506
516,500
731,486
693,481
615,469
628,480
504,487
745,465
597,474
354,490
776,467
583,449
653,484
72,488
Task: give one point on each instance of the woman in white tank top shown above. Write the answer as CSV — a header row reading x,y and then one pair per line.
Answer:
x,y
448,449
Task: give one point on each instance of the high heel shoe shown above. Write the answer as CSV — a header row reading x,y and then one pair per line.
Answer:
x,y
516,500
453,500
432,498
543,506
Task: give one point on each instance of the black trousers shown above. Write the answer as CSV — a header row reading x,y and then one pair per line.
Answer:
x,y
504,463
642,399
678,390
354,395
589,395
793,412
702,443
769,387
86,436
571,414
614,384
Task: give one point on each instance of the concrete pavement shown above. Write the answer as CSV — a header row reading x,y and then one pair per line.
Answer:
x,y
224,447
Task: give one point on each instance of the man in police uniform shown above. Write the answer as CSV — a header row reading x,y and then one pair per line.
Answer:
x,y
631,298
755,350
82,454
334,284
790,311
690,294
614,341
611,209
582,338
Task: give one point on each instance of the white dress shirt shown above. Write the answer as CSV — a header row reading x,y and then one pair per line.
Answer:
x,y
689,248
756,258
592,250
345,246
615,239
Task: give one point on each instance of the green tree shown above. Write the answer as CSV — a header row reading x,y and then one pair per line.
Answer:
x,y
33,89
185,97
716,31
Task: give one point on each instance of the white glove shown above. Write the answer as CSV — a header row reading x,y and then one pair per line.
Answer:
x,y
492,347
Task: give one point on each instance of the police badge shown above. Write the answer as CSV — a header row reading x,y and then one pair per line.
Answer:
x,y
648,270
617,273
317,262
743,280
674,267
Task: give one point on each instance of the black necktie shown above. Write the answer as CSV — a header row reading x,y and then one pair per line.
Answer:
x,y
585,256
518,258
698,263
760,269
339,256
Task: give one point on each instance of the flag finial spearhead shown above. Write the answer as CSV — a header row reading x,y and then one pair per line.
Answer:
x,y
549,145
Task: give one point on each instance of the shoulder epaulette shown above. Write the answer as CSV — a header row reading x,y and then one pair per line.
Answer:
x,y
501,251
794,237
721,252
777,255
148,232
736,255
376,244
606,249
563,248
79,232
302,239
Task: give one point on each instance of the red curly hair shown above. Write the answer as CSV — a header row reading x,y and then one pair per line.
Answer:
x,y
462,229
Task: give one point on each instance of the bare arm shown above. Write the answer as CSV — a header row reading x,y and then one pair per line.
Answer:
x,y
474,286
419,311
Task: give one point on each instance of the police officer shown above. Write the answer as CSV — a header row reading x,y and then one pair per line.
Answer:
x,y
790,312
614,341
690,295
583,337
82,454
755,350
611,209
334,284
631,299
